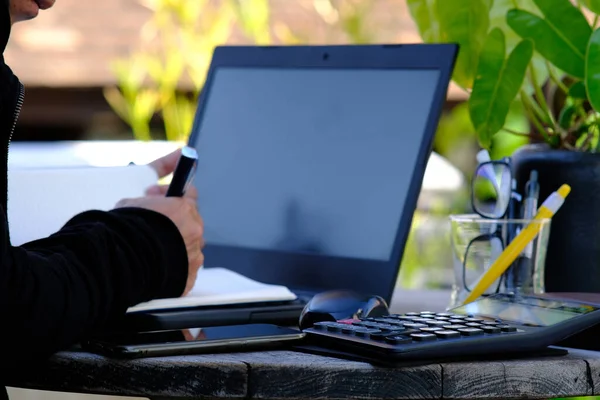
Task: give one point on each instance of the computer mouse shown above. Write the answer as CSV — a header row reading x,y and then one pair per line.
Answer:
x,y
335,305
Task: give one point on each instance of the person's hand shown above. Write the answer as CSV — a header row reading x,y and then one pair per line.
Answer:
x,y
182,211
184,214
163,167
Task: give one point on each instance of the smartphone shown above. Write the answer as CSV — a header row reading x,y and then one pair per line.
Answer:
x,y
215,339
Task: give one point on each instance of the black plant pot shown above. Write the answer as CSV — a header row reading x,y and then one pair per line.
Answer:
x,y
573,259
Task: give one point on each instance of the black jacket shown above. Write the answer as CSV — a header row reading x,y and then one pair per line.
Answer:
x,y
55,290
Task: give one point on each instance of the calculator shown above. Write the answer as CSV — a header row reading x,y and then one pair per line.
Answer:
x,y
496,324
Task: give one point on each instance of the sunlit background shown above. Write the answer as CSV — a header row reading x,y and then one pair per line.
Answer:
x,y
131,70
127,72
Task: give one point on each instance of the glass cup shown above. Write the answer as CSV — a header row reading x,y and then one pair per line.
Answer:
x,y
477,242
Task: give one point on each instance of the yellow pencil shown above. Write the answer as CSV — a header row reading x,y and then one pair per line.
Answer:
x,y
516,247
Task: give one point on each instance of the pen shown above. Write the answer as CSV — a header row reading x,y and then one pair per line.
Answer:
x,y
530,204
512,230
184,172
550,206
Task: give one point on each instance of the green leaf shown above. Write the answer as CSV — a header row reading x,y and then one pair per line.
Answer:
x,y
592,70
592,5
465,22
498,82
578,91
566,116
498,19
424,14
561,37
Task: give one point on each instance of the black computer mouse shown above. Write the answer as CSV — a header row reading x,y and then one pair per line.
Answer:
x,y
335,305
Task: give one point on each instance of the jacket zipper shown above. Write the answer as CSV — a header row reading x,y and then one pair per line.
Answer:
x,y
17,111
20,101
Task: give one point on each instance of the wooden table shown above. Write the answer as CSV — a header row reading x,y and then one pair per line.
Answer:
x,y
290,375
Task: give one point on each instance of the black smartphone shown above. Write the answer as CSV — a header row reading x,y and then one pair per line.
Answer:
x,y
215,339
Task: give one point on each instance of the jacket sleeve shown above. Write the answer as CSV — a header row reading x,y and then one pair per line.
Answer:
x,y
55,290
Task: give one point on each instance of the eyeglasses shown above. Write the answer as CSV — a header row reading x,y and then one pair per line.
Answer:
x,y
492,196
492,189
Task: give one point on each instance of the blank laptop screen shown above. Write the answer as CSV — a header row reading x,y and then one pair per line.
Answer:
x,y
316,161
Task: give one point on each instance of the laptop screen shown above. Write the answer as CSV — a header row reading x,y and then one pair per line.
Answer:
x,y
310,160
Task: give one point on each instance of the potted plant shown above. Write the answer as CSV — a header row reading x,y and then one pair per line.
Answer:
x,y
545,55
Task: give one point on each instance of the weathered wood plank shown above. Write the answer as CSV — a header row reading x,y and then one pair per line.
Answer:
x,y
550,377
292,375
208,376
592,358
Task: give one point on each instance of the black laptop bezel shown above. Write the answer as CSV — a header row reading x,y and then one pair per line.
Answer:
x,y
310,272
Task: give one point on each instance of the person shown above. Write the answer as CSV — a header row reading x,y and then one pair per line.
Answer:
x,y
56,290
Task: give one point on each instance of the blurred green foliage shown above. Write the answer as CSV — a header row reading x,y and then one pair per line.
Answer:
x,y
176,45
165,73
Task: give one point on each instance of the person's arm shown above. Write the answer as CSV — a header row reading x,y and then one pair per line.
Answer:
x,y
55,290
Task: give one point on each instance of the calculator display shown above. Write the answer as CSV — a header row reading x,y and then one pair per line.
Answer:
x,y
525,310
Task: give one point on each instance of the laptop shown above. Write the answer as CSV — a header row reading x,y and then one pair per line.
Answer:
x,y
311,160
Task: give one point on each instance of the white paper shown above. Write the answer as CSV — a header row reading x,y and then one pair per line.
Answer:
x,y
42,200
220,286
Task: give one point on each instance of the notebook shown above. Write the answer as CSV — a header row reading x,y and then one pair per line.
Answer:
x,y
220,286
41,200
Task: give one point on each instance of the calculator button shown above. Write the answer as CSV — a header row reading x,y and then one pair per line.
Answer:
x,y
379,335
414,326
470,331
431,329
398,339
426,312
427,316
365,324
473,325
409,318
471,319
507,328
434,322
457,316
454,327
349,329
490,329
443,314
421,320
388,321
395,333
413,314
442,318
491,323
423,337
445,334
366,332
335,327
379,325
456,321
